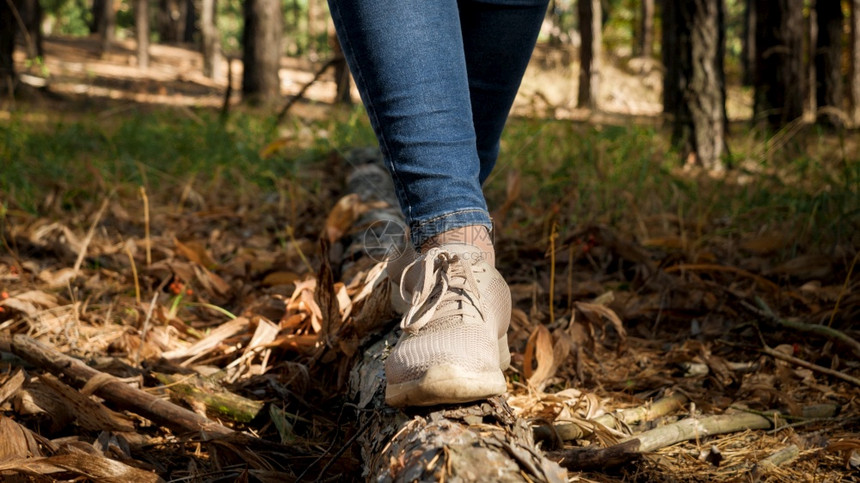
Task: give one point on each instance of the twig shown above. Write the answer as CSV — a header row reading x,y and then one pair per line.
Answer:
x,y
710,267
824,330
773,461
146,226
815,367
134,274
844,288
83,253
225,106
301,93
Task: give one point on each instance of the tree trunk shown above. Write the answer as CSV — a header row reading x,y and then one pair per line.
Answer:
x,y
699,118
482,441
211,42
828,63
780,78
141,30
31,17
174,17
261,41
590,51
104,15
748,45
671,47
341,74
8,28
854,76
645,46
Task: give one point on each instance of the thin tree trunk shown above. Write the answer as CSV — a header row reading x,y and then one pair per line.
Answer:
x,y
211,41
590,51
172,20
854,75
780,77
8,28
646,29
31,16
141,24
670,48
261,51
699,109
341,75
748,46
107,24
828,63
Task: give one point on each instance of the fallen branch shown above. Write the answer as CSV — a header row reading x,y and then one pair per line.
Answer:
x,y
822,330
112,389
334,60
814,367
648,441
773,461
647,412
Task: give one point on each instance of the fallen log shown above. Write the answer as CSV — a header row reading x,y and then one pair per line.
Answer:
x,y
482,441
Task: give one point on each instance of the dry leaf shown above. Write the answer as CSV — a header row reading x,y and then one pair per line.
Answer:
x,y
538,356
196,252
342,216
280,278
16,441
764,244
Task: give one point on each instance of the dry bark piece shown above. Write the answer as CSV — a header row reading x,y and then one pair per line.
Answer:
x,y
12,384
195,390
773,461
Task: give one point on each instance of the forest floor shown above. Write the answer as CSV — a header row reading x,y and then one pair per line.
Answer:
x,y
182,253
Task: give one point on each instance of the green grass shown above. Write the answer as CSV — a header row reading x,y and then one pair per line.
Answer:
x,y
571,174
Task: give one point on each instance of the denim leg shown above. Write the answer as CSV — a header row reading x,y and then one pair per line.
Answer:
x,y
498,38
410,65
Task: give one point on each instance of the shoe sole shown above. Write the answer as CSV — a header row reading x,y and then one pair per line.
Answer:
x,y
446,384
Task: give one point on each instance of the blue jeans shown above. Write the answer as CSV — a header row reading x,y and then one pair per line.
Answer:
x,y
438,78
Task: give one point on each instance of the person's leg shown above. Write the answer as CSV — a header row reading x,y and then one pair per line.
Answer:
x,y
498,39
408,61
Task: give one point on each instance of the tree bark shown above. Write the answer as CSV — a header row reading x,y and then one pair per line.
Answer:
x,y
483,441
748,45
590,51
780,78
645,46
854,75
176,21
828,63
696,77
261,41
341,75
141,29
106,26
8,28
31,16
211,41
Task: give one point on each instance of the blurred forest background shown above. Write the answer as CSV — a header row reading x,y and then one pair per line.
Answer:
x,y
676,210
701,63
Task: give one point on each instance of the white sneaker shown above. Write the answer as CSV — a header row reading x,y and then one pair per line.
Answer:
x,y
454,344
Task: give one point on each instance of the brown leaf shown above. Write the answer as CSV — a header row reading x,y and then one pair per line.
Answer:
x,y
12,384
763,244
16,441
538,353
196,252
594,312
280,278
30,303
805,267
91,467
342,216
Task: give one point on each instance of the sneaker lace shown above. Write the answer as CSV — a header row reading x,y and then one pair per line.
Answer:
x,y
448,289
